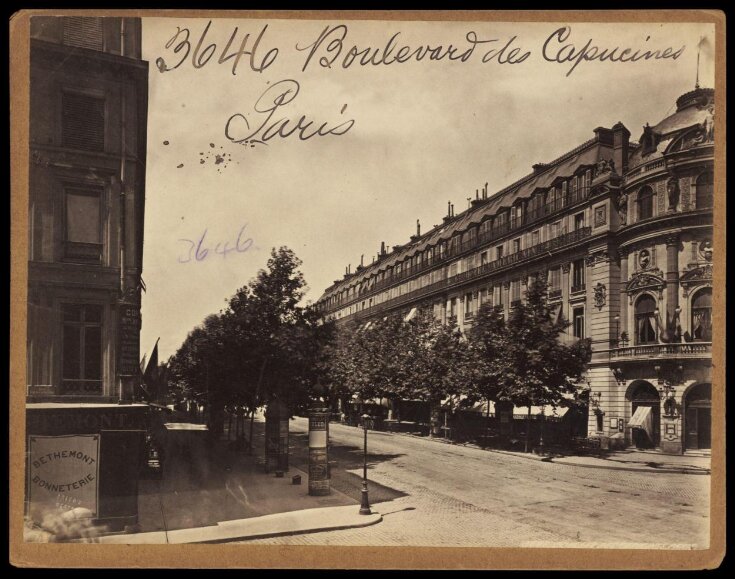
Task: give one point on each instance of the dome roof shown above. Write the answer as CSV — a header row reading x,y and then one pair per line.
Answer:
x,y
692,109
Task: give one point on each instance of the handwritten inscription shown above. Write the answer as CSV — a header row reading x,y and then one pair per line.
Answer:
x,y
332,49
279,95
202,249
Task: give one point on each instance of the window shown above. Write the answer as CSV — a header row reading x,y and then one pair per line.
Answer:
x,y
499,252
82,121
453,308
515,291
578,221
82,225
555,279
483,258
453,270
702,315
645,203
82,349
554,229
578,275
600,417
500,296
83,31
534,237
705,191
645,319
468,305
516,245
578,322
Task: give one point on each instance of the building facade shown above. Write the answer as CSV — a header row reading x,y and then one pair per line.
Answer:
x,y
622,232
88,130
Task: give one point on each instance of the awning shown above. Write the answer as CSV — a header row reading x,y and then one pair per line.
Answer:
x,y
642,419
184,426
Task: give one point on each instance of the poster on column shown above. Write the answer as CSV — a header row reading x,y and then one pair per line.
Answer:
x,y
63,473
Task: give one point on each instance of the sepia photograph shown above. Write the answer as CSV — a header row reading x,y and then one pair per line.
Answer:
x,y
407,280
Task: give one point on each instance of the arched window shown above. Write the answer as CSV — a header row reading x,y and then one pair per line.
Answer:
x,y
705,190
645,203
645,318
702,315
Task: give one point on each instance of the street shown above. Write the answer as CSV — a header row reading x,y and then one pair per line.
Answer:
x,y
436,494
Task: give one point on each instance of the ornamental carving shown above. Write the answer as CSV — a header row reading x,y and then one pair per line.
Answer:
x,y
605,166
622,204
705,250
644,259
566,267
696,276
649,279
672,190
600,295
597,257
699,135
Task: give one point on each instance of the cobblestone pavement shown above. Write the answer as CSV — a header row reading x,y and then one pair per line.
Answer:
x,y
446,495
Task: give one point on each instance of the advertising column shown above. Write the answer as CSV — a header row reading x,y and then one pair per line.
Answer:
x,y
318,459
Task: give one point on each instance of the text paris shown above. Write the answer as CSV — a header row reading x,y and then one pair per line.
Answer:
x,y
266,125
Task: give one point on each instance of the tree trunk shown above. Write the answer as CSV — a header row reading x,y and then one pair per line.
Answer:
x,y
528,429
250,437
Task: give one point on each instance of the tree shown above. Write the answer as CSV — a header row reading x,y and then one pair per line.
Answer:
x,y
263,347
543,370
436,360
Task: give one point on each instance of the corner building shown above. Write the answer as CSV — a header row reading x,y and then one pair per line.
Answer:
x,y
88,131
622,231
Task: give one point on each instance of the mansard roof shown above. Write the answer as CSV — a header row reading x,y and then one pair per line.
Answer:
x,y
544,176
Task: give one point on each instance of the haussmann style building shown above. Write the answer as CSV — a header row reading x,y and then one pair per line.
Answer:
x,y
622,231
88,116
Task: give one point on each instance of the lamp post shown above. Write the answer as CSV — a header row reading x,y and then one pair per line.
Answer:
x,y
364,502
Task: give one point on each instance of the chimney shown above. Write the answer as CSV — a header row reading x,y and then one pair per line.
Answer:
x,y
418,228
620,147
362,258
382,248
452,209
477,194
484,192
449,208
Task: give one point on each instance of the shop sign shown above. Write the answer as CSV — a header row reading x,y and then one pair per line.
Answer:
x,y
63,473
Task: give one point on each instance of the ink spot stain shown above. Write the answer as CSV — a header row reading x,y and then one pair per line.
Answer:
x,y
344,107
219,159
211,145
179,166
165,142
201,161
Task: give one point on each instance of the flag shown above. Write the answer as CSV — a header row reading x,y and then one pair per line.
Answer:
x,y
142,364
151,369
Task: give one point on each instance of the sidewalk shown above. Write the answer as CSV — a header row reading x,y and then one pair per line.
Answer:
x,y
210,493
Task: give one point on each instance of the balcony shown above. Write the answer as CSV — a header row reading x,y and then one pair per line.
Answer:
x,y
579,288
646,352
554,294
541,250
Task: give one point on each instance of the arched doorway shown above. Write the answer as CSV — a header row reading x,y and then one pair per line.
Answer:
x,y
645,394
698,417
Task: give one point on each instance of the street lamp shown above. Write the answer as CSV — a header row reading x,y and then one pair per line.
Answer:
x,y
364,502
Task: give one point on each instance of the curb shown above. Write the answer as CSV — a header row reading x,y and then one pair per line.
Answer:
x,y
229,531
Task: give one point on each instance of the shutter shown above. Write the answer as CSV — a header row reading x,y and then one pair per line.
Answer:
x,y
83,31
83,122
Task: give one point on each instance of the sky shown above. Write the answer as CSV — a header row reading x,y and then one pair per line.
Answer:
x,y
414,135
